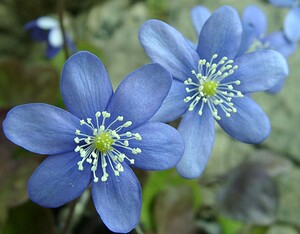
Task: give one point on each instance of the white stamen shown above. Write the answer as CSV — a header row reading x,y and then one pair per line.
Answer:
x,y
210,88
108,137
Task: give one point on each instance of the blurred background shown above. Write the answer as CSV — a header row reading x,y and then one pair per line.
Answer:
x,y
245,189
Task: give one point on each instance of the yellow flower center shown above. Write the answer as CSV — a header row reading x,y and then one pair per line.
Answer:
x,y
210,88
103,142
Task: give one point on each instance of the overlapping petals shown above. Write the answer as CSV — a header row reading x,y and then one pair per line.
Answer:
x,y
162,147
166,46
83,78
145,89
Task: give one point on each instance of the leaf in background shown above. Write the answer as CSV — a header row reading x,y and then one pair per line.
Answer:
x,y
29,218
14,174
173,210
20,84
250,195
157,182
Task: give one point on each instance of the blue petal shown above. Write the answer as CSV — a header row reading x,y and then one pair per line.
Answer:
x,y
282,3
85,85
198,133
165,45
254,17
259,71
162,147
140,94
35,32
41,128
219,36
276,88
280,43
291,25
249,124
199,15
57,180
51,51
173,106
118,201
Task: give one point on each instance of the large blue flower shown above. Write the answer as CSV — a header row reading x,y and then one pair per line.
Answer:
x,y
98,139
47,29
211,82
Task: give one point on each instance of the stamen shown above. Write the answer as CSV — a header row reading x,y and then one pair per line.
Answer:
x,y
208,87
99,145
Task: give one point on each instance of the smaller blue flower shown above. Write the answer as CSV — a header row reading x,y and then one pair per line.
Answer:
x,y
102,135
212,82
292,20
47,29
254,37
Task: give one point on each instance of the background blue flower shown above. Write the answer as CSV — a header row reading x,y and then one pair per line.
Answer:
x,y
212,82
47,29
98,138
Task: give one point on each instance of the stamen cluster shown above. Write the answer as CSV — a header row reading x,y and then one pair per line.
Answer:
x,y
102,144
209,87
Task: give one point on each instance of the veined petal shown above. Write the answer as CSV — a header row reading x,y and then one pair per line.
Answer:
x,y
57,180
282,3
173,106
166,46
140,94
219,36
291,24
199,15
85,85
198,133
280,43
249,124
259,70
41,128
254,17
119,201
162,147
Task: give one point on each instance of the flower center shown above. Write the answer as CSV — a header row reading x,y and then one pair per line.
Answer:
x,y
105,145
103,142
209,87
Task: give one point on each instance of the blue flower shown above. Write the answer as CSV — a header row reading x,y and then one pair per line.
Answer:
x,y
292,20
254,37
211,82
98,139
47,29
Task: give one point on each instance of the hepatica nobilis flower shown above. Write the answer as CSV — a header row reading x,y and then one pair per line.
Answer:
x,y
211,82
98,138
47,29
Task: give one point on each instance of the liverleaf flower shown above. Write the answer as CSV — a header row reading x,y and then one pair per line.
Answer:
x,y
254,37
47,29
212,82
97,140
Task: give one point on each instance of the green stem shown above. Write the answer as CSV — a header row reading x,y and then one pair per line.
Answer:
x,y
60,9
67,224
139,230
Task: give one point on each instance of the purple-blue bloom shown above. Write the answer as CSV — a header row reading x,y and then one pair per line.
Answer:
x,y
97,140
47,29
212,82
254,37
292,20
